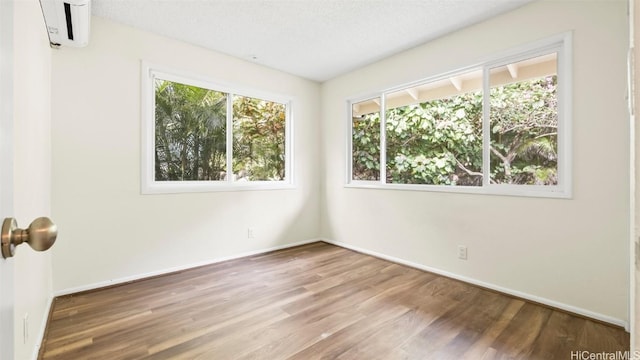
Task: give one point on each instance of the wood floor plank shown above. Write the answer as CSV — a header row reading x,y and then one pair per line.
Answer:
x,y
560,337
481,348
316,301
519,337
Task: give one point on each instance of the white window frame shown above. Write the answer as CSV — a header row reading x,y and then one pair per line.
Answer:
x,y
149,72
562,45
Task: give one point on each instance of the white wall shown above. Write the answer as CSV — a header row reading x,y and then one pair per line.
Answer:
x,y
572,252
634,33
32,169
108,230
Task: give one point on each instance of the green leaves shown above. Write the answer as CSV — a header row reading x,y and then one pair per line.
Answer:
x,y
524,125
366,147
191,135
259,139
190,132
440,141
426,141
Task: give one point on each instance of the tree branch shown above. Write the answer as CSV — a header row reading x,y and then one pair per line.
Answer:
x,y
470,172
543,135
497,153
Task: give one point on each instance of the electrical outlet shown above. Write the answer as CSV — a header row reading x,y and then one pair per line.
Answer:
x,y
25,328
462,252
250,233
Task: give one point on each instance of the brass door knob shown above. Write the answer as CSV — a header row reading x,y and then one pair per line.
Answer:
x,y
40,235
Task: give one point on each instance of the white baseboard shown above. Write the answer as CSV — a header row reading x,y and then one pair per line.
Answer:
x,y
127,279
516,293
42,330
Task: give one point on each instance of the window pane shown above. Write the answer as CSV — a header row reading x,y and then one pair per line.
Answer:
x,y
365,140
190,132
258,139
434,132
524,122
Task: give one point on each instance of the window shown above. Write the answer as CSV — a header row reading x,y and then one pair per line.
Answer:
x,y
523,122
366,149
200,136
434,133
500,127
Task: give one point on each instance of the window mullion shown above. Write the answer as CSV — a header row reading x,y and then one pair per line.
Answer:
x,y
564,81
349,163
383,139
230,137
150,141
486,126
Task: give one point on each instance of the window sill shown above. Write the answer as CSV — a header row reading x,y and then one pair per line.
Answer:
x,y
204,187
500,190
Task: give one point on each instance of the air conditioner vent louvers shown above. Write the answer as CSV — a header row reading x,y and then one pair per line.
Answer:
x,y
67,21
67,15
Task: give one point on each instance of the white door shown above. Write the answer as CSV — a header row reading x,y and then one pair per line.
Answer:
x,y
6,173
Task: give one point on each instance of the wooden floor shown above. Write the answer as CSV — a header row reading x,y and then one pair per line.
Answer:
x,y
316,301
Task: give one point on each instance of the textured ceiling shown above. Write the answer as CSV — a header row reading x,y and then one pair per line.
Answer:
x,y
315,39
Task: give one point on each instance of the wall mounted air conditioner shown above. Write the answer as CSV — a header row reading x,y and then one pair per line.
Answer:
x,y
68,21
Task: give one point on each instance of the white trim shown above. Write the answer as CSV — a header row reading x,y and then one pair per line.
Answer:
x,y
177,187
383,138
632,234
200,80
288,145
519,294
565,115
43,329
504,190
349,144
562,45
631,94
148,185
147,108
486,133
7,271
126,279
229,139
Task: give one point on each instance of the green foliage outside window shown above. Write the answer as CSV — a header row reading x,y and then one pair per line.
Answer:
x,y
524,132
191,135
366,147
258,139
190,132
439,142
